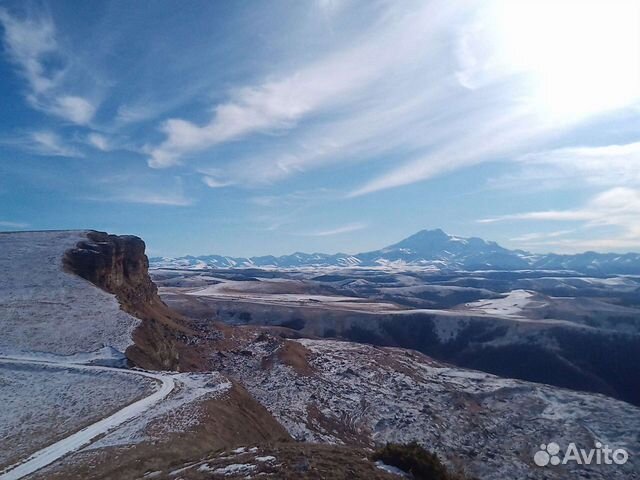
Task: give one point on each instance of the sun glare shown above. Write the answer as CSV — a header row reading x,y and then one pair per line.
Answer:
x,y
582,57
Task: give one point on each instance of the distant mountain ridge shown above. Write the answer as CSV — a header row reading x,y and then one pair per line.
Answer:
x,y
429,249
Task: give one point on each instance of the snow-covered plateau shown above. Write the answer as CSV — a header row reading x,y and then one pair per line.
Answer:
x,y
45,309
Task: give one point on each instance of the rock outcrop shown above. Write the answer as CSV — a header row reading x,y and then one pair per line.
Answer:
x,y
115,263
118,265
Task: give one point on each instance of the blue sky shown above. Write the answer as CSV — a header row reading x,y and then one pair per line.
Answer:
x,y
249,128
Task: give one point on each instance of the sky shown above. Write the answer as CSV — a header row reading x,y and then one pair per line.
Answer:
x,y
250,128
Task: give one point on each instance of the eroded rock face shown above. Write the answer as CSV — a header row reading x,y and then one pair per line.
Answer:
x,y
118,265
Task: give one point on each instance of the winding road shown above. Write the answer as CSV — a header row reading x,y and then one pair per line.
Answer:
x,y
76,441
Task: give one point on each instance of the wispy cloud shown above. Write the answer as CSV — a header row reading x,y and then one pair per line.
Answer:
x,y
288,209
76,109
147,198
600,165
141,189
383,94
42,142
32,45
298,198
352,227
50,143
529,238
337,80
213,182
152,198
16,225
617,207
99,141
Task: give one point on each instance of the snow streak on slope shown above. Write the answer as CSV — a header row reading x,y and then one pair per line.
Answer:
x,y
44,309
510,304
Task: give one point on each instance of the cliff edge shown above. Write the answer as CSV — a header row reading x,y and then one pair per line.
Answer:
x,y
118,265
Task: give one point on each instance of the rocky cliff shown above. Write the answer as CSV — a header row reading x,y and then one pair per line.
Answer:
x,y
118,265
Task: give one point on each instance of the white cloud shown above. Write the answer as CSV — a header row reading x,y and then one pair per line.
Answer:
x,y
136,112
352,227
31,44
529,238
493,136
600,165
334,81
27,42
330,7
99,141
49,143
617,208
212,182
16,225
140,188
547,215
76,109
395,93
152,198
422,88
146,197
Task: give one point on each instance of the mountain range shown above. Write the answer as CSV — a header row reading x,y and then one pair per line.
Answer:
x,y
428,248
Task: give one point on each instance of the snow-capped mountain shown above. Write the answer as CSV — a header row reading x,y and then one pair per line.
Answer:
x,y
427,248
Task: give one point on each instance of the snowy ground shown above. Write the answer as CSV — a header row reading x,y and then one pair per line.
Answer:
x,y
44,309
48,401
178,412
511,304
41,404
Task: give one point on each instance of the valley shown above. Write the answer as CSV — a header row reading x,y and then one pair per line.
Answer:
x,y
559,328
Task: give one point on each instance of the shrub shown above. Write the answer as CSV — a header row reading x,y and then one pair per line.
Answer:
x,y
414,459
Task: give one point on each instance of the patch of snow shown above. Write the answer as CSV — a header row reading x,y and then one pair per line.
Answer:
x,y
153,474
511,304
266,458
391,469
235,469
